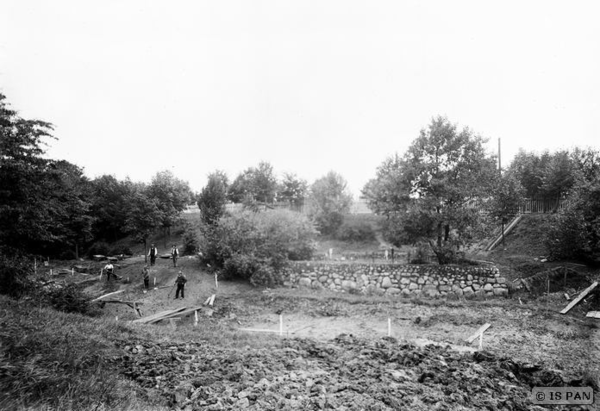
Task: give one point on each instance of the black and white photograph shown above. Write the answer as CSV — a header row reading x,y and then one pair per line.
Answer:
x,y
299,205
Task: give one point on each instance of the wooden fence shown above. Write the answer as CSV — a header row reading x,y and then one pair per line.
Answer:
x,y
535,206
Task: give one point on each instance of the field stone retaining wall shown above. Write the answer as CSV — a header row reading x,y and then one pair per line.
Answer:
x,y
406,280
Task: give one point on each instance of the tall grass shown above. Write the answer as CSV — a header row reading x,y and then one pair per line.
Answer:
x,y
52,360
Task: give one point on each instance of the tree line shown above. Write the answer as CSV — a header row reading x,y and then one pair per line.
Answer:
x,y
448,192
445,191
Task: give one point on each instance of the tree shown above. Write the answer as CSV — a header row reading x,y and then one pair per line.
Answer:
x,y
109,207
171,196
433,192
71,193
292,190
213,197
387,192
506,195
144,214
329,200
25,215
254,185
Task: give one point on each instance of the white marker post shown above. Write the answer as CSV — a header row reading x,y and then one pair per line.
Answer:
x,y
280,325
216,281
389,327
480,341
196,318
72,271
155,281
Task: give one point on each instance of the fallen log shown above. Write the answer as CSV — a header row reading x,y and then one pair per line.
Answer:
x,y
593,314
581,297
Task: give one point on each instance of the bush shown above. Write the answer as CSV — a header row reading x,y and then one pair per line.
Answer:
x,y
257,246
99,248
329,223
15,271
355,231
120,249
191,245
70,299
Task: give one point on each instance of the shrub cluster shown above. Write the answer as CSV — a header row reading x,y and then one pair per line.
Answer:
x,y
355,231
15,271
257,246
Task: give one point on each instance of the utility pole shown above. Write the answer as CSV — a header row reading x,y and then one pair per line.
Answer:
x,y
500,174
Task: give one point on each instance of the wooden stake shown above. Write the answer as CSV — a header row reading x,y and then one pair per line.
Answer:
x,y
478,332
196,318
216,281
480,341
155,281
389,327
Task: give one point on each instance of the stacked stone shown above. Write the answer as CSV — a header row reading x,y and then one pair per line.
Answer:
x,y
417,280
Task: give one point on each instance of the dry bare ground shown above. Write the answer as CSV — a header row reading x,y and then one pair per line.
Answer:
x,y
335,352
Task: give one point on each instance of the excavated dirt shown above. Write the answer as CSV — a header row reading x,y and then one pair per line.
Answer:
x,y
346,373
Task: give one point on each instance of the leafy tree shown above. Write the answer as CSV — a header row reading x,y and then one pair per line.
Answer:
x,y
144,214
172,195
71,197
329,200
25,215
254,185
213,197
507,194
440,182
109,207
292,190
575,230
387,192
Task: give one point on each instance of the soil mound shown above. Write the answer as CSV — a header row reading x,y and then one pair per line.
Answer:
x,y
345,373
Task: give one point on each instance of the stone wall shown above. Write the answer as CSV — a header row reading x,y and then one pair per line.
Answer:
x,y
406,280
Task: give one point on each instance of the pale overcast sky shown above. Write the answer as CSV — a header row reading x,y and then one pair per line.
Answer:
x,y
135,87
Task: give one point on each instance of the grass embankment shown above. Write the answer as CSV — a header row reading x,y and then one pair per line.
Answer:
x,y
53,360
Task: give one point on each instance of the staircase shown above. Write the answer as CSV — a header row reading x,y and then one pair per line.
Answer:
x,y
509,227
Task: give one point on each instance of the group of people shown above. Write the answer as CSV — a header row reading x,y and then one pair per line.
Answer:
x,y
109,270
153,253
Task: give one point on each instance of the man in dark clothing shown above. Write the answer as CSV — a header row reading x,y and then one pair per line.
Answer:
x,y
153,253
180,281
174,254
109,269
146,275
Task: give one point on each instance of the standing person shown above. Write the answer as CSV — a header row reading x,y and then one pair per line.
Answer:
x,y
180,281
174,254
146,275
153,253
109,270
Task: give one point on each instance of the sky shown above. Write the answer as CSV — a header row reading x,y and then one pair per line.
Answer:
x,y
134,87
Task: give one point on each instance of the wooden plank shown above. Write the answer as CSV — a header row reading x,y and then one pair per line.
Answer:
x,y
180,312
581,297
160,314
106,295
593,314
478,332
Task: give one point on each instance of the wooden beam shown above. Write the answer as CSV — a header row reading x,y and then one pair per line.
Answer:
x,y
478,332
106,295
581,297
182,312
157,315
593,314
